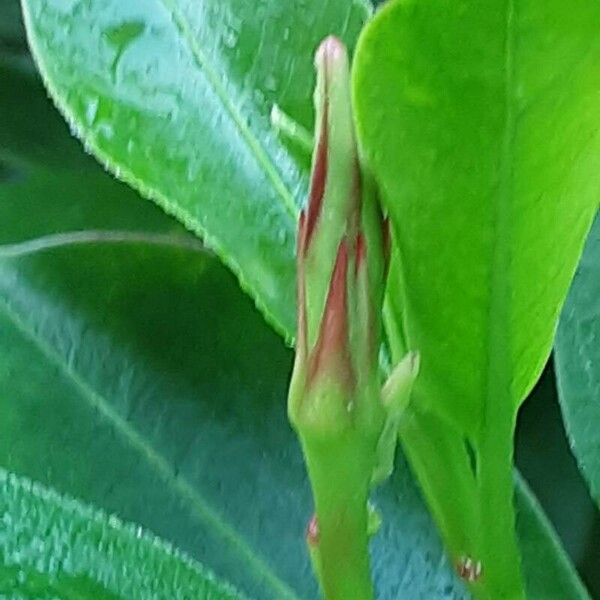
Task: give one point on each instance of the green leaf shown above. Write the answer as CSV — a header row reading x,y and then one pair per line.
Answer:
x,y
137,377
174,97
481,125
577,353
546,461
52,546
548,572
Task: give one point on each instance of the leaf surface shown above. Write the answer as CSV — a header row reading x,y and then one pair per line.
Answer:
x,y
52,546
12,32
481,125
174,96
32,133
577,354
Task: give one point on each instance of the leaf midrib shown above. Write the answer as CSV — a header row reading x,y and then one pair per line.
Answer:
x,y
498,363
179,485
100,236
203,63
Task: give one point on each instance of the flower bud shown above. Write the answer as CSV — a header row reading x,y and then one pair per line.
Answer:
x,y
341,267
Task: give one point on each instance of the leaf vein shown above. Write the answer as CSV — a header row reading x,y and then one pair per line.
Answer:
x,y
212,77
90,236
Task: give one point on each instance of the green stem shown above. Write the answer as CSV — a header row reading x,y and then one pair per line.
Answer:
x,y
440,462
340,472
500,554
471,504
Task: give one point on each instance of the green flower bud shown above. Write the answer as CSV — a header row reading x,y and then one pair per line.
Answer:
x,y
341,268
347,428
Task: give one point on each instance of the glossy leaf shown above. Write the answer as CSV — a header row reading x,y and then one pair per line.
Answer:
x,y
52,546
578,362
481,125
174,97
544,455
546,567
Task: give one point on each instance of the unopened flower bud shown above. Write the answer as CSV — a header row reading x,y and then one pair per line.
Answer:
x,y
341,264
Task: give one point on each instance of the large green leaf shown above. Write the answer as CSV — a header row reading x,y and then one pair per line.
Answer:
x,y
481,123
174,96
578,362
52,547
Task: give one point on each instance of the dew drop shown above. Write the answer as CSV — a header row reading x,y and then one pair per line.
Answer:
x,y
91,111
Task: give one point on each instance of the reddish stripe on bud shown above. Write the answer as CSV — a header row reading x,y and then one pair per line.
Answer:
x,y
301,241
327,59
332,343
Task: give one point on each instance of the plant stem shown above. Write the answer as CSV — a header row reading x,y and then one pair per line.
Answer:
x,y
499,549
440,462
471,504
340,474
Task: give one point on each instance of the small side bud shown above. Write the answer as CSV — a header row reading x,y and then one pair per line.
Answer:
x,y
312,532
469,570
395,398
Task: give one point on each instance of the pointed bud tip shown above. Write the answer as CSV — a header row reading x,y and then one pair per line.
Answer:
x,y
330,50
